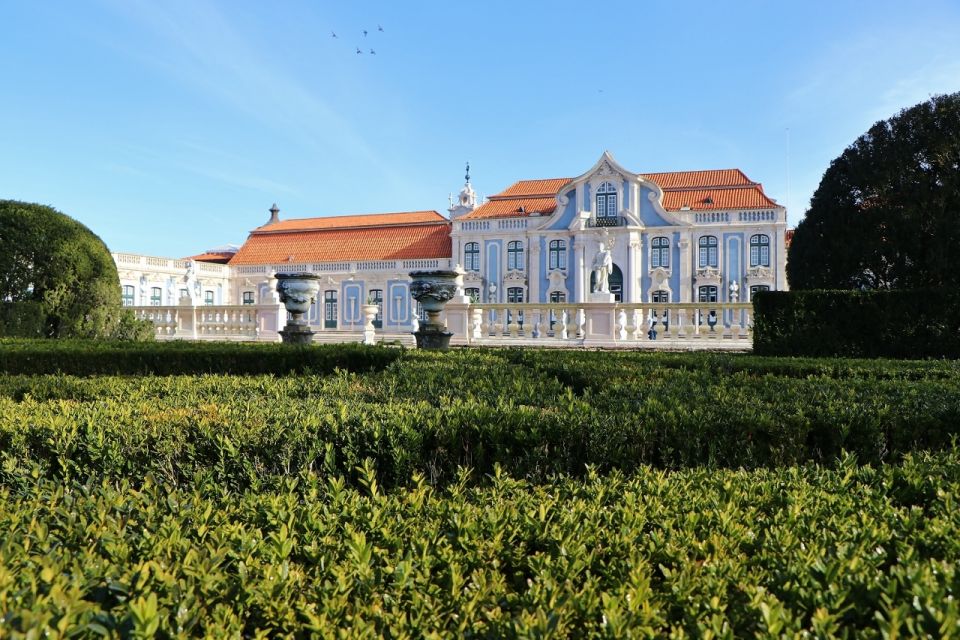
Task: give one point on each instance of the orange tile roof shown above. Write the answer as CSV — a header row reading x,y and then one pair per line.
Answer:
x,y
527,188
511,208
698,190
354,221
723,198
212,256
385,242
699,179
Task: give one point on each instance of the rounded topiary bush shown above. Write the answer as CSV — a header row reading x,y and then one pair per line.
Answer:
x,y
54,261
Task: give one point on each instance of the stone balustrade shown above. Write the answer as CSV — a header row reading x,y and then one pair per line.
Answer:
x,y
593,324
215,322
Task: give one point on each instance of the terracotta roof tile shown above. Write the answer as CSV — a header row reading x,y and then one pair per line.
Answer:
x,y
359,241
699,179
212,256
723,198
353,221
511,208
527,188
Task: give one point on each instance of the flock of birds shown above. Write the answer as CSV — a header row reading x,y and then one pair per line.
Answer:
x,y
333,34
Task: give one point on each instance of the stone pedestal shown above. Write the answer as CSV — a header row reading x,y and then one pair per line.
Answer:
x,y
296,334
430,337
601,296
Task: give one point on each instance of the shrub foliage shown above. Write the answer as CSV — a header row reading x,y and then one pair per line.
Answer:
x,y
51,259
892,324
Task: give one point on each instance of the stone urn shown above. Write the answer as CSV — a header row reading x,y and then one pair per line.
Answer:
x,y
433,289
370,312
297,292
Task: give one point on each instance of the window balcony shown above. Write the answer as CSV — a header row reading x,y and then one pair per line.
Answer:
x,y
607,221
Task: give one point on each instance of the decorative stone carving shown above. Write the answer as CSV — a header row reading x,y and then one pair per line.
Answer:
x,y
433,289
297,292
659,276
708,275
515,276
759,274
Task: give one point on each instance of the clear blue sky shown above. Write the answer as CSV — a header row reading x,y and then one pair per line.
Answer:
x,y
171,126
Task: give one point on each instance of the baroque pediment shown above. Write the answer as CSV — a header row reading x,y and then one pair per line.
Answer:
x,y
515,276
759,274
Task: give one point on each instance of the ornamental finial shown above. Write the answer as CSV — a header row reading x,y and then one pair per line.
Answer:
x,y
467,177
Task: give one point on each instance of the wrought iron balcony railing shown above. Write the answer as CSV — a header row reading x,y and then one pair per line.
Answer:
x,y
607,221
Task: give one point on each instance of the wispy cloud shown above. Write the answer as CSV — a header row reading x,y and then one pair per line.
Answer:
x,y
200,47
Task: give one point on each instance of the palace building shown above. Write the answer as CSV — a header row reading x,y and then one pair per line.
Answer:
x,y
686,236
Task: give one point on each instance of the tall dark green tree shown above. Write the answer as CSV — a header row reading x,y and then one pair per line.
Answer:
x,y
51,259
887,211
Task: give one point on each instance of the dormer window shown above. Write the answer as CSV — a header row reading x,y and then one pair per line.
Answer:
x,y
606,202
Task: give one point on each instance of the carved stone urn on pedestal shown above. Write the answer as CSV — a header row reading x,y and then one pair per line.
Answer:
x,y
433,289
297,292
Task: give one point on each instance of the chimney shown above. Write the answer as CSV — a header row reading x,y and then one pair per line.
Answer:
x,y
274,214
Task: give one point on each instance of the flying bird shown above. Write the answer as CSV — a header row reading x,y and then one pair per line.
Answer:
x,y
372,52
333,34
364,33
358,51
379,28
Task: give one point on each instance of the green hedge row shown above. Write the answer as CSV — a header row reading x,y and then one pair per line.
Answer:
x,y
431,414
892,324
22,319
853,551
85,358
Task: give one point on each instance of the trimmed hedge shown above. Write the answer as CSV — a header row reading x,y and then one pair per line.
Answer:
x,y
24,319
871,324
85,358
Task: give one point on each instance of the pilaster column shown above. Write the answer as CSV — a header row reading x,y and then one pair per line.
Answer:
x,y
579,269
686,284
533,271
634,262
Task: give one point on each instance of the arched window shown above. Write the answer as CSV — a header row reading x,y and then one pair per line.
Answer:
x,y
248,297
515,255
330,309
558,254
660,252
760,250
606,202
708,252
376,297
471,256
156,296
208,297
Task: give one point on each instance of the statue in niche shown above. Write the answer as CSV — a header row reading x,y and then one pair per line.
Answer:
x,y
602,266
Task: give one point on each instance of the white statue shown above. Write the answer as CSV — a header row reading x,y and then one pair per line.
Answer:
x,y
734,291
602,265
190,279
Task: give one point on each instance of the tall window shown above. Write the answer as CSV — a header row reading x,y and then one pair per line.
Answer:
x,y
515,255
606,201
208,297
156,296
473,293
127,295
660,252
708,294
471,256
660,296
558,254
708,252
376,297
515,294
248,297
556,297
330,309
760,250
758,287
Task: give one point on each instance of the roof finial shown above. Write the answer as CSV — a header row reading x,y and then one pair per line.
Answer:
x,y
467,177
274,214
